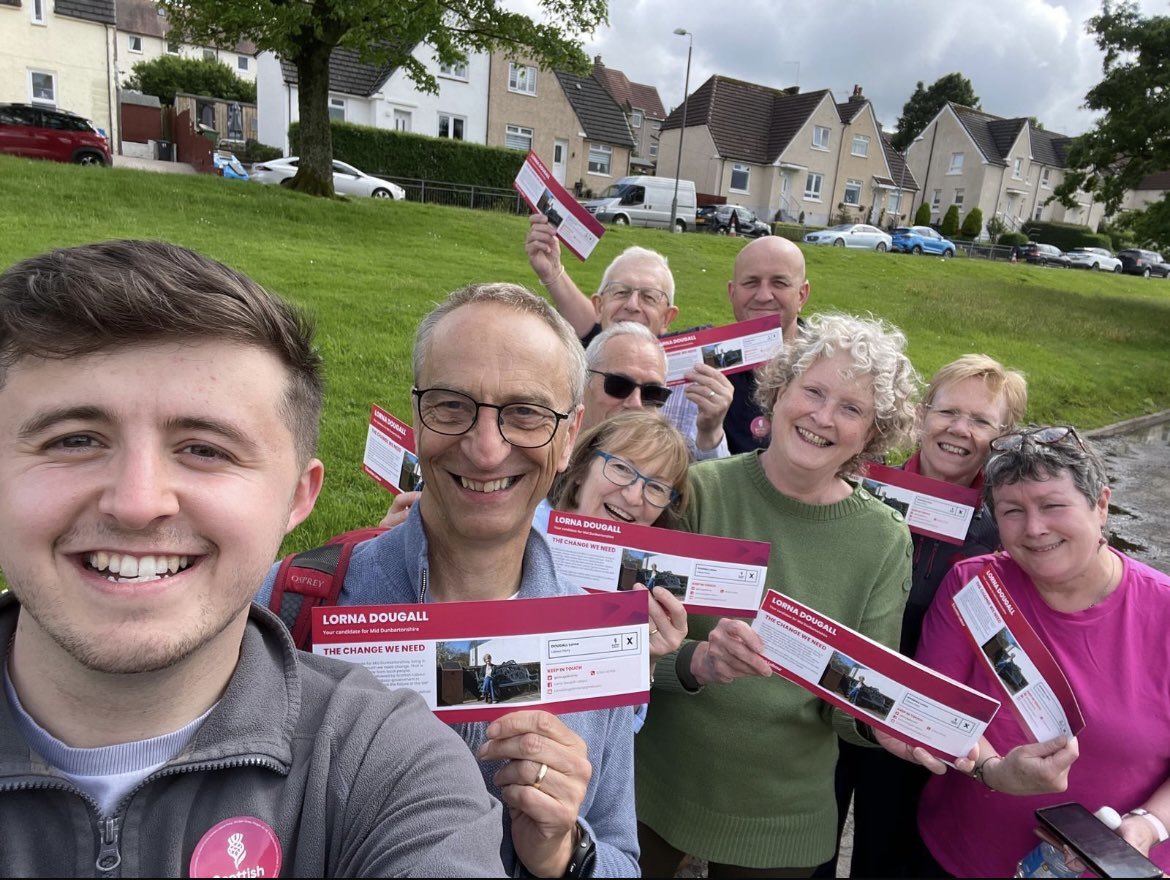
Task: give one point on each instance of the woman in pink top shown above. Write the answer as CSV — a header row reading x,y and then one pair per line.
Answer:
x,y
1106,620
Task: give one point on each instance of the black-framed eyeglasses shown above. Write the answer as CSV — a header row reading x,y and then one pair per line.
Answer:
x,y
652,296
621,387
621,473
1048,436
527,425
952,416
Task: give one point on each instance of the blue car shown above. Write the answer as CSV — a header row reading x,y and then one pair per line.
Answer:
x,y
228,165
921,240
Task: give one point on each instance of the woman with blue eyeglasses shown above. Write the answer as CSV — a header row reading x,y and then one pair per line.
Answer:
x,y
632,468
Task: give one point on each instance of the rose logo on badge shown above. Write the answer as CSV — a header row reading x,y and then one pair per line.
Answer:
x,y
242,846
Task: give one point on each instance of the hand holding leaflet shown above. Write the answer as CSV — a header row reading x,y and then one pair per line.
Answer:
x,y
732,650
543,785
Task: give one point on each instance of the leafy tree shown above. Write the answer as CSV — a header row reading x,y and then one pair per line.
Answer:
x,y
384,32
950,222
926,102
1132,138
922,215
995,228
168,74
972,224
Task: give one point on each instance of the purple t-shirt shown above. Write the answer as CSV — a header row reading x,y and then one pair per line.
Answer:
x,y
1115,655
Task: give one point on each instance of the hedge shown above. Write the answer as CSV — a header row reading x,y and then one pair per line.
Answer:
x,y
794,231
402,154
1065,236
1013,238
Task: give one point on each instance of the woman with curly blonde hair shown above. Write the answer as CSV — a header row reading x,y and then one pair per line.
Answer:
x,y
742,775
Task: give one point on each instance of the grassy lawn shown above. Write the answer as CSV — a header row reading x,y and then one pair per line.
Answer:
x,y
1093,346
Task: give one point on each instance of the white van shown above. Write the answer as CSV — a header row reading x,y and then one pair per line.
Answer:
x,y
645,201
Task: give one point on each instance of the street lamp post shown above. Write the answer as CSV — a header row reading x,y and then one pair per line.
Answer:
x,y
682,131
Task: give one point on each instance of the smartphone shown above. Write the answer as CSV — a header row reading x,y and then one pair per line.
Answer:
x,y
1104,851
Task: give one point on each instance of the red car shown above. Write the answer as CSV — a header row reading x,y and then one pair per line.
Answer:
x,y
44,133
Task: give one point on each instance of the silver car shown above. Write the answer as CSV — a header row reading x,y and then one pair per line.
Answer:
x,y
1093,258
854,235
347,180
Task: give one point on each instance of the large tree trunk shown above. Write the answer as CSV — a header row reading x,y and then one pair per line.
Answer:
x,y
315,173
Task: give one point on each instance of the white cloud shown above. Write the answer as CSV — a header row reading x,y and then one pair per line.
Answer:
x,y
1024,57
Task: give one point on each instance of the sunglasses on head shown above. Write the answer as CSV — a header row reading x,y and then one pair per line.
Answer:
x,y
1050,436
621,387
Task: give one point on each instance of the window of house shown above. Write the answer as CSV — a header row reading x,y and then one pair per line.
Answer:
x,y
820,137
337,109
895,201
741,176
517,137
636,119
208,54
1044,178
241,62
458,70
134,42
451,126
600,158
1039,211
653,149
38,11
936,198
402,120
860,145
1018,168
956,166
960,194
812,185
172,47
521,79
853,192
42,87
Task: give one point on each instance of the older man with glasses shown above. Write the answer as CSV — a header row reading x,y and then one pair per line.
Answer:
x,y
494,424
637,287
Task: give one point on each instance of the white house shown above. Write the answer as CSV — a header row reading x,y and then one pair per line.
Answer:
x,y
143,35
380,97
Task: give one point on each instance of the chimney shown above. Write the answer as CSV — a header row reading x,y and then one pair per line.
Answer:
x,y
791,90
856,96
597,61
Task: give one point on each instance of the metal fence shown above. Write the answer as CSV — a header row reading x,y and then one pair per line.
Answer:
x,y
461,195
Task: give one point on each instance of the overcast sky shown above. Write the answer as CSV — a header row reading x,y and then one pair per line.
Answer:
x,y
1024,57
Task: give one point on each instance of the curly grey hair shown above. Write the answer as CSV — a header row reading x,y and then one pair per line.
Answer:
x,y
877,350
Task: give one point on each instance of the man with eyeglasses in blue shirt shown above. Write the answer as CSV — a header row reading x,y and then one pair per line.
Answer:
x,y
494,423
638,287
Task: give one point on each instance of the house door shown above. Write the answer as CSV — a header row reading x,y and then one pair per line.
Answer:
x,y
560,155
785,212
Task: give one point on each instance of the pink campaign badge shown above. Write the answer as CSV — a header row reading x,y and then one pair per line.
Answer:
x,y
761,427
242,846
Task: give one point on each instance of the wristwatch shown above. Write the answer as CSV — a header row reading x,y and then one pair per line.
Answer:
x,y
1158,825
584,855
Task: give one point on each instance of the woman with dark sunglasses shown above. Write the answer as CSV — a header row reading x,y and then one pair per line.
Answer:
x,y
968,403
1105,619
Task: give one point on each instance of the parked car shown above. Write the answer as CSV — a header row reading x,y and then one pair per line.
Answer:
x,y
641,200
228,165
1136,261
854,235
44,133
717,219
347,180
920,240
1042,254
1093,258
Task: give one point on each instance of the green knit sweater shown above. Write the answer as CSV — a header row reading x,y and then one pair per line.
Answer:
x,y
743,773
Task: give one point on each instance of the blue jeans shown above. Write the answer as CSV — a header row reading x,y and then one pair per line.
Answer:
x,y
489,688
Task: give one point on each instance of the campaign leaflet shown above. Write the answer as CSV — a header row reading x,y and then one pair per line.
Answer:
x,y
879,686
576,227
933,508
708,574
562,654
731,348
1026,671
389,456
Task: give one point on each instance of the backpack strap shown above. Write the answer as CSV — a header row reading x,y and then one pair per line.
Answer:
x,y
313,578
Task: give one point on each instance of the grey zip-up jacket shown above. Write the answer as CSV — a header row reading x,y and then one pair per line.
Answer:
x,y
354,779
394,568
